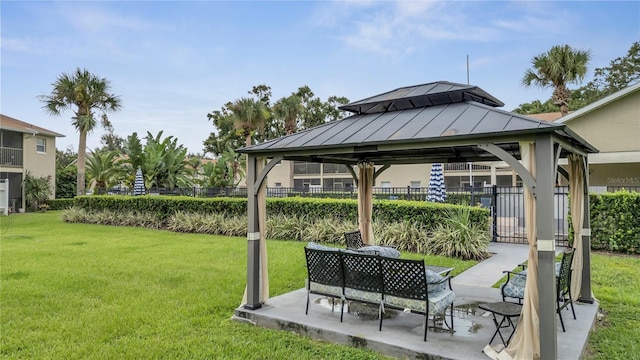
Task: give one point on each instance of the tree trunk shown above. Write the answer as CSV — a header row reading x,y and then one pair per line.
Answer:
x,y
82,157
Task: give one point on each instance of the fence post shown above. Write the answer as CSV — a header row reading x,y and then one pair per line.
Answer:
x,y
494,213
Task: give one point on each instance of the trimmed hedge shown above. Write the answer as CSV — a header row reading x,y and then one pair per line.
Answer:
x,y
425,213
60,204
615,221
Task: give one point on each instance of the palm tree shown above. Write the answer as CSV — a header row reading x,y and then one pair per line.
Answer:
x,y
248,116
559,66
103,170
289,109
83,92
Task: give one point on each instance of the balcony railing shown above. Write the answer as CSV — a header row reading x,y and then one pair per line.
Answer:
x,y
465,167
10,156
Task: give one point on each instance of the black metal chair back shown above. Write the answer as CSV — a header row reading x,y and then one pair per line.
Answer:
x,y
324,267
353,239
404,278
362,272
563,285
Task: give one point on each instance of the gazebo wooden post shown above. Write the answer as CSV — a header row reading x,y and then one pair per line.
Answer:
x,y
585,290
544,193
253,237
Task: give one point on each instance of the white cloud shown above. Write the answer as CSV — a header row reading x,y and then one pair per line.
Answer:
x,y
95,19
393,28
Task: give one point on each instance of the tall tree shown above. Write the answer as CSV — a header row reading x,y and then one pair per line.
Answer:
x,y
83,93
103,170
556,68
621,72
289,109
249,115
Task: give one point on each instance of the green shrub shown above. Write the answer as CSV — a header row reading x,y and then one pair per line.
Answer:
x,y
60,204
37,191
457,236
615,224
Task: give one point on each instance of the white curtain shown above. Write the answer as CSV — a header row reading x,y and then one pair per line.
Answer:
x,y
576,192
365,201
525,344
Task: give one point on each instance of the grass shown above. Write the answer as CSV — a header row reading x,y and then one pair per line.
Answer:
x,y
616,284
77,291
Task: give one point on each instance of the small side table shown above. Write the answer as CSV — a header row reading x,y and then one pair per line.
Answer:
x,y
507,311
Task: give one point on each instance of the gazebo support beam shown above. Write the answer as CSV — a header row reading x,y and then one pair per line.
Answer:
x,y
253,236
545,175
380,171
264,172
585,291
353,175
525,175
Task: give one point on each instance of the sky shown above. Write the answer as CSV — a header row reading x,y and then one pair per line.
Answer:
x,y
172,62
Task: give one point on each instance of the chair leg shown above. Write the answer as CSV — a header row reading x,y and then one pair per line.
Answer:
x,y
380,316
559,311
306,312
426,324
451,315
341,309
572,309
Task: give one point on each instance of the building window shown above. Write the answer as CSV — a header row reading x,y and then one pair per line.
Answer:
x,y
302,184
385,184
338,183
334,169
306,168
415,184
41,145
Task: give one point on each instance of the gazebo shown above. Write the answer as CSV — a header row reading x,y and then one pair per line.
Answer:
x,y
442,122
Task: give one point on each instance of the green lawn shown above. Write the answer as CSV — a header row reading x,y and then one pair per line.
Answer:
x,y
76,291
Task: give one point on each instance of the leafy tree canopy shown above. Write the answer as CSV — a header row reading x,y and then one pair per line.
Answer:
x,y
300,110
621,72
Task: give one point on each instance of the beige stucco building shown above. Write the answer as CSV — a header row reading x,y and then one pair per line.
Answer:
x,y
25,148
612,125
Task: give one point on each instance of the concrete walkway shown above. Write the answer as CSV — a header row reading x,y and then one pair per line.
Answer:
x,y
488,272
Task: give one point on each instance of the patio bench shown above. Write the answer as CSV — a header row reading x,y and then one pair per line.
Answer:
x,y
378,280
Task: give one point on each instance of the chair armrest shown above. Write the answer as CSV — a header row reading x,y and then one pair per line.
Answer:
x,y
446,278
512,273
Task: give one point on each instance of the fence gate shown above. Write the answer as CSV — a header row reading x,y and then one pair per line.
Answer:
x,y
507,212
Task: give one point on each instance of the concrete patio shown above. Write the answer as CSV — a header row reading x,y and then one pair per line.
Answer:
x,y
401,335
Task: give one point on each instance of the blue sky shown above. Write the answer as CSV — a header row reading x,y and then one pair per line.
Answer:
x,y
173,62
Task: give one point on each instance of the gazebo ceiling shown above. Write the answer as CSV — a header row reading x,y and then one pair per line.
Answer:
x,y
448,132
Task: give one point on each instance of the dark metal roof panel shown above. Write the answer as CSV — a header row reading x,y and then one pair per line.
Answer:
x,y
468,120
336,128
431,94
366,130
439,123
355,132
413,128
386,130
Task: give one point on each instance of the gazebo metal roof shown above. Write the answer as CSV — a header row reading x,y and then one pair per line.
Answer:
x,y
424,95
448,132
